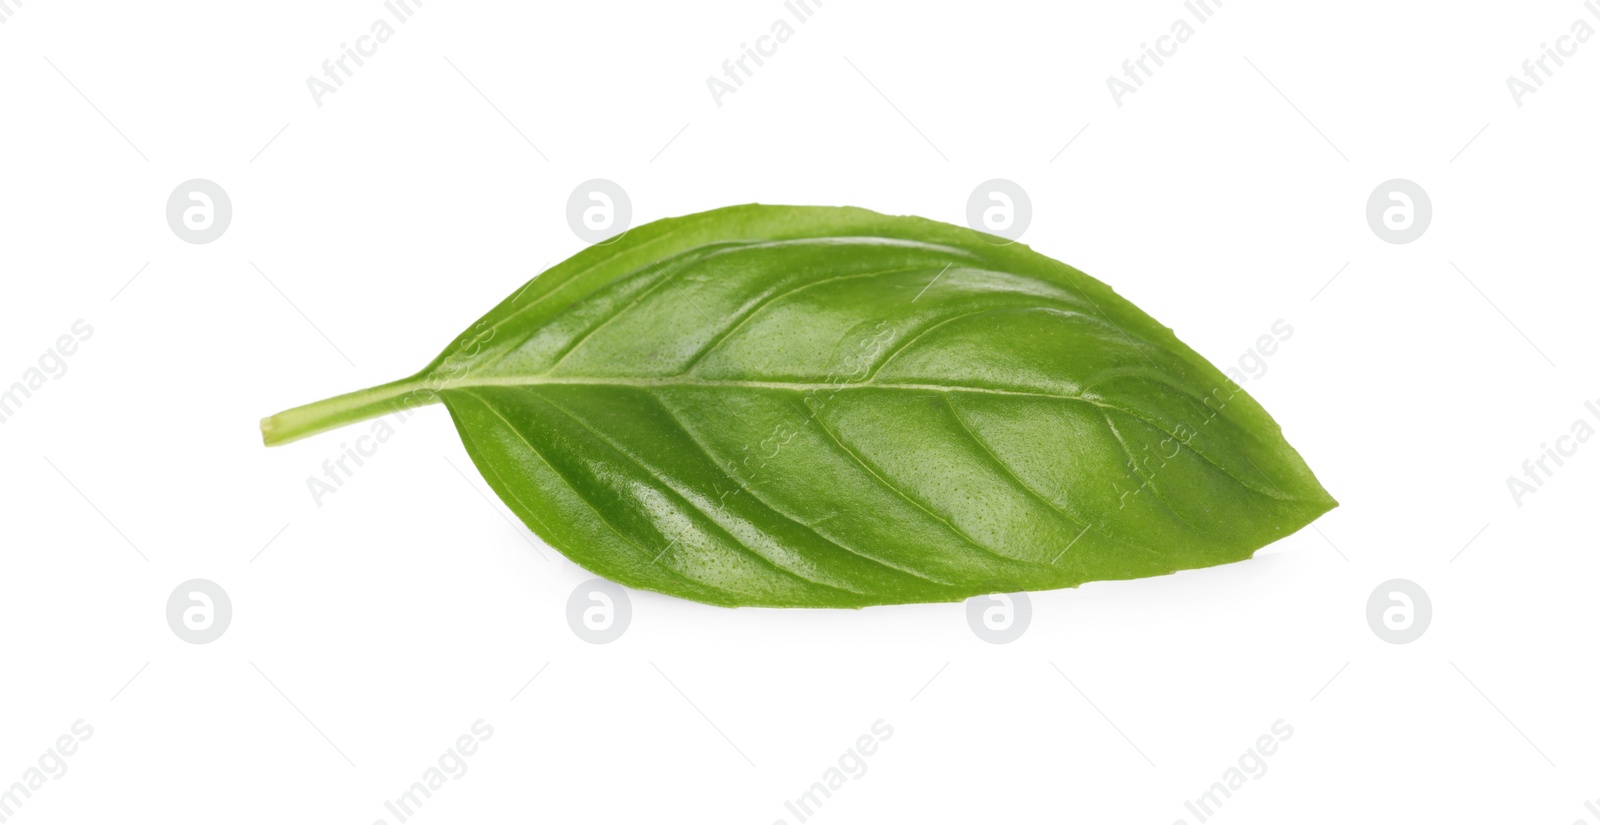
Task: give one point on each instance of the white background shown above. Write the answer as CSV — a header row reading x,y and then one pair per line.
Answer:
x,y
376,628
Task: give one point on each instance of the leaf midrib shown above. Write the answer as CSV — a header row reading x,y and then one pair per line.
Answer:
x,y
683,381
673,381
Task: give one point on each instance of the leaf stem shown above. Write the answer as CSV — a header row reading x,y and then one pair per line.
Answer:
x,y
327,414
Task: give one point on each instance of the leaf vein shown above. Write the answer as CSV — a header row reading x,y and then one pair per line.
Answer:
x,y
1006,469
762,305
735,541
678,422
643,553
895,489
1147,482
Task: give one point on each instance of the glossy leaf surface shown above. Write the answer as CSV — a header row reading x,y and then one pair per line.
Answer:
x,y
828,407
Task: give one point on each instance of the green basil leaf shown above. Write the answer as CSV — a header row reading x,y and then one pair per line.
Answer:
x,y
829,407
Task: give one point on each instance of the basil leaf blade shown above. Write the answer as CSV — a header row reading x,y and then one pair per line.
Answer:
x,y
828,407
